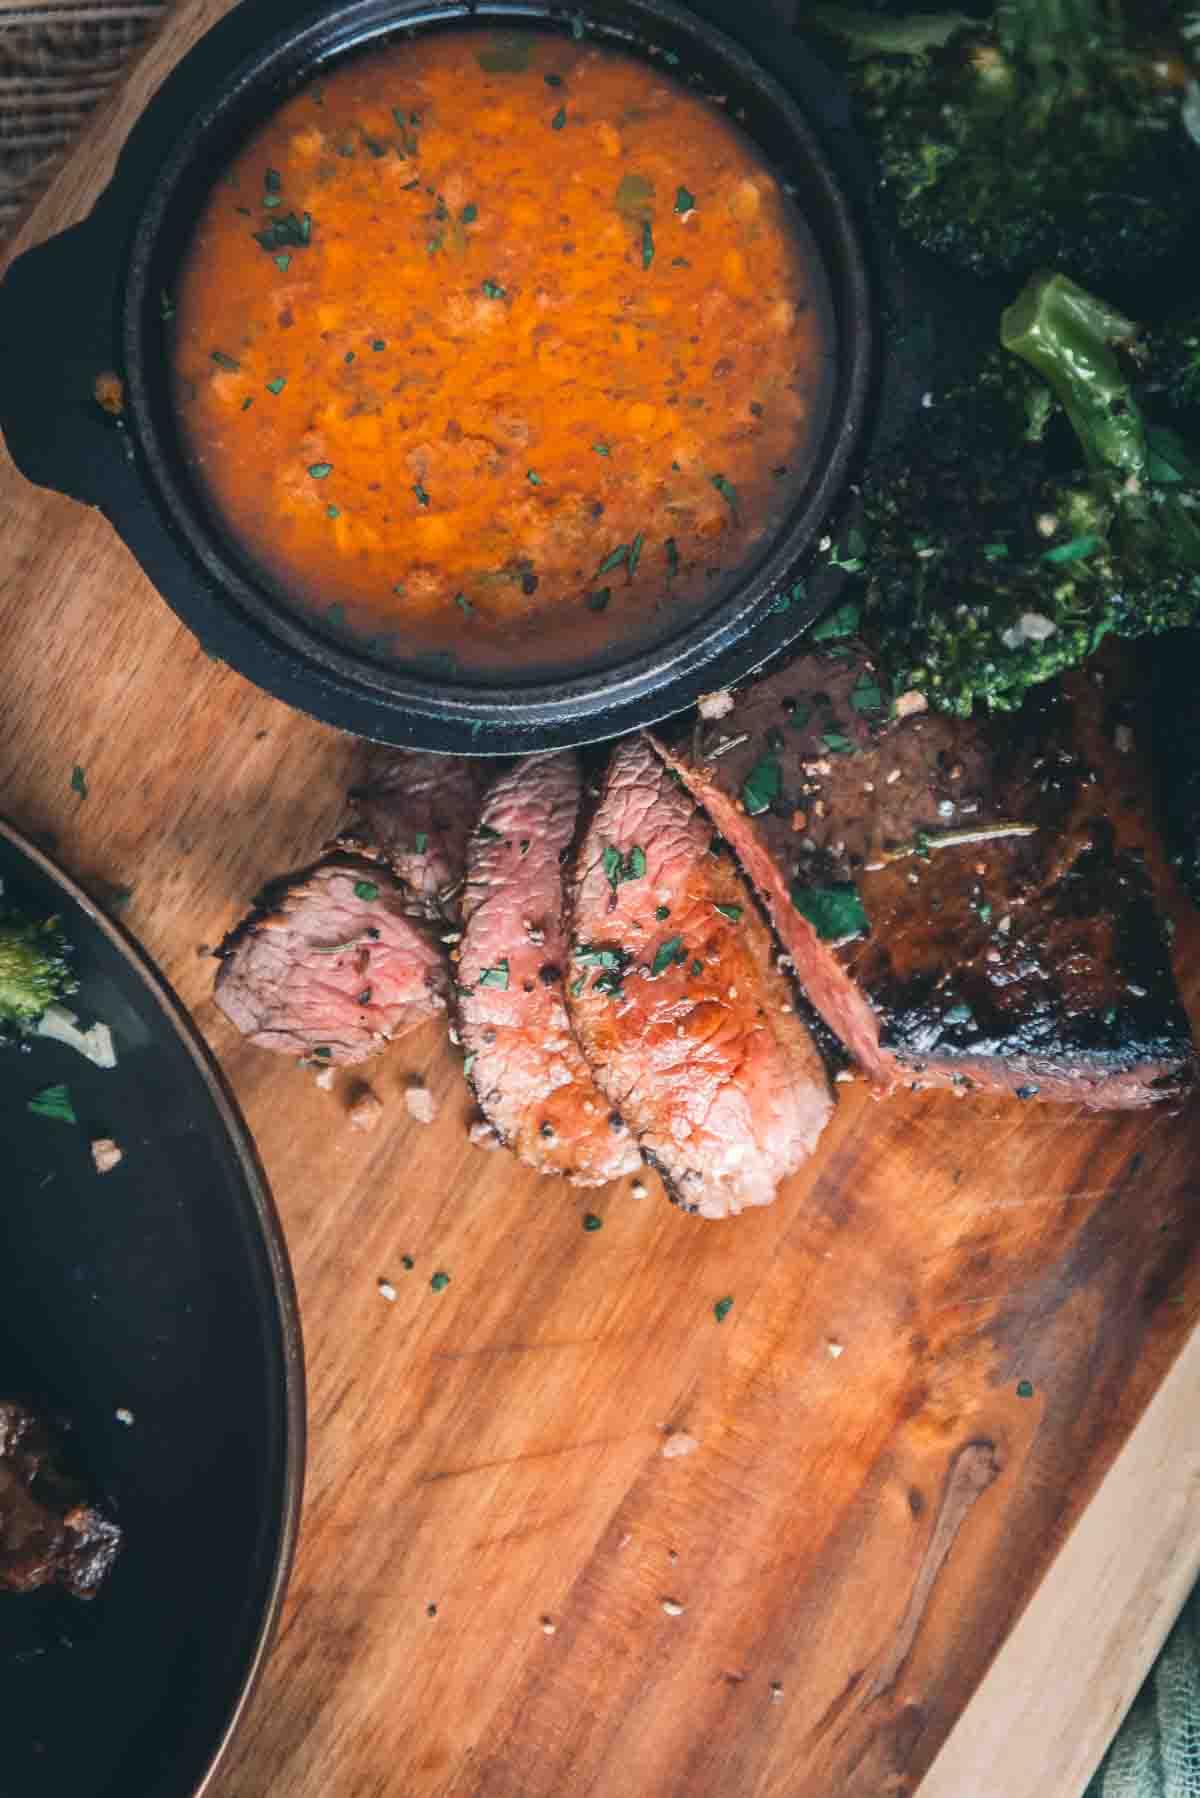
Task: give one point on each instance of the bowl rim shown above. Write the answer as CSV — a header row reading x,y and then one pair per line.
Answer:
x,y
294,1412
728,641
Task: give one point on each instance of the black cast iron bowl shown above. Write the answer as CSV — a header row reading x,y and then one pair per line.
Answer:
x,y
91,299
151,1307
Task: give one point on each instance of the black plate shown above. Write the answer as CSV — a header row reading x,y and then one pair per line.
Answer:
x,y
91,299
162,1289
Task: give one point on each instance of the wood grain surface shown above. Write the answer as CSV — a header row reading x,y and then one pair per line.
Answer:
x,y
941,1335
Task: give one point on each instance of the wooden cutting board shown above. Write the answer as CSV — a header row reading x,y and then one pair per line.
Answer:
x,y
941,1336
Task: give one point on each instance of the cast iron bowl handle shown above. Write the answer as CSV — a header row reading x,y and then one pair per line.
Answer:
x,y
58,331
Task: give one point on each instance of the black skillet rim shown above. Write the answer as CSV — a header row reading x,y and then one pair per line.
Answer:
x,y
294,1414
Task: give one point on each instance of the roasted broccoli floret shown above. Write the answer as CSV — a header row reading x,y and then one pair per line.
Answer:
x,y
1054,131
35,971
1004,543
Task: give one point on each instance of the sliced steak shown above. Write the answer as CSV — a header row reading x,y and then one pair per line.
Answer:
x,y
415,812
332,966
675,997
48,1534
523,1062
940,950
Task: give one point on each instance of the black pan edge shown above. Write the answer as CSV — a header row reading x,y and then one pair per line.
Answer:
x,y
271,1232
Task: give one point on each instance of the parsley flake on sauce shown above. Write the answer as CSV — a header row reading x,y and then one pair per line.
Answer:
x,y
464,605
53,1102
732,912
79,781
469,213
598,601
277,385
614,559
421,841
647,243
559,119
684,201
672,558
722,1308
635,554
366,890
319,470
761,786
619,868
493,290
497,976
422,496
333,511
282,263
602,449
592,1222
834,911
727,490
439,1283
534,479
224,361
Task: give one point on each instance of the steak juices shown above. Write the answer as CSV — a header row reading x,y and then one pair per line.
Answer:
x,y
508,349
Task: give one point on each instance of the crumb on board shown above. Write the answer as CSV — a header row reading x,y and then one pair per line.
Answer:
x,y
548,1626
672,1607
638,1189
422,1106
325,1080
484,1135
386,1291
366,1109
678,1443
715,705
106,1154
776,1692
124,1415
834,1349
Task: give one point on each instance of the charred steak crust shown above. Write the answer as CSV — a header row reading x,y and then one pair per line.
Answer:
x,y
1174,730
1031,963
414,811
678,1002
332,964
48,1534
524,1065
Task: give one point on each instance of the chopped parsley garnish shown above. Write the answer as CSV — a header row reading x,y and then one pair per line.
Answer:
x,y
614,559
727,490
559,119
836,743
487,834
851,559
672,557
697,968
229,362
270,200
407,1263
665,955
663,911
801,713
323,1051
577,986
469,213
577,26
841,623
421,842
349,356
422,496
53,1102
464,605
834,911
591,957
523,846
247,402
732,912
1024,1388
635,554
602,449
684,201
619,868
366,890
553,80
272,182
319,470
283,263
598,600
439,1283
468,1064
867,695
333,511
647,243
1074,551
497,976
995,552
592,1222
722,1308
277,385
493,290
379,343
79,781
534,479
761,786
287,233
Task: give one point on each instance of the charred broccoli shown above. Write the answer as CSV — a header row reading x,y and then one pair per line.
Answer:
x,y
35,971
1054,131
994,559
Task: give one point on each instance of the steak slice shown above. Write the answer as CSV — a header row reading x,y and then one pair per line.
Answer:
x,y
677,1002
526,1068
939,950
333,966
415,812
48,1535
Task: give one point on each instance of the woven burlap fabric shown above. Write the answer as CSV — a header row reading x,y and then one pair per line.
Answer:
x,y
57,59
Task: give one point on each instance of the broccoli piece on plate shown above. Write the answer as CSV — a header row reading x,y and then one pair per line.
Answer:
x,y
34,971
1054,131
1021,524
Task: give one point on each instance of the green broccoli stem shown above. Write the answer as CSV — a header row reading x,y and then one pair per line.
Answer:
x,y
1067,335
